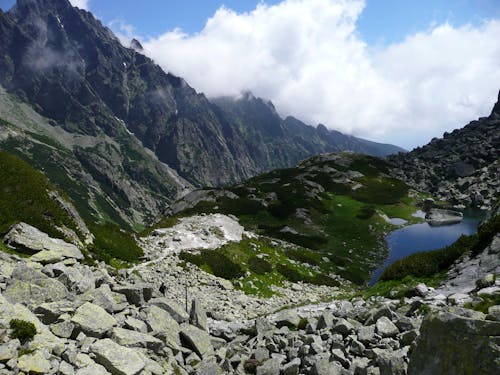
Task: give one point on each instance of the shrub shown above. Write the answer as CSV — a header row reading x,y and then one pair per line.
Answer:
x,y
289,273
259,266
366,212
22,330
428,263
220,264
112,242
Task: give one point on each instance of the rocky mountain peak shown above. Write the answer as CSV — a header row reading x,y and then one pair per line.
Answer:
x,y
496,107
136,45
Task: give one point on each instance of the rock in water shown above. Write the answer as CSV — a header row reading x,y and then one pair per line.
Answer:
x,y
450,344
443,217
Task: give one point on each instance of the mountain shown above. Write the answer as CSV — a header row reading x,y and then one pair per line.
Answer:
x,y
274,142
462,167
128,136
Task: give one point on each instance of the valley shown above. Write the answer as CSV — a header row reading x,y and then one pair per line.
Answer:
x,y
148,229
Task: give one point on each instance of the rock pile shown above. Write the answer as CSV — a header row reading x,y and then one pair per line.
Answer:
x,y
462,167
91,319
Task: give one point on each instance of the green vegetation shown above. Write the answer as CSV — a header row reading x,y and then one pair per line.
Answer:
x,y
113,244
341,226
401,288
24,197
485,303
259,263
429,263
22,330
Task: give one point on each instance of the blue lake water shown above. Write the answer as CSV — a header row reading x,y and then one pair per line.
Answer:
x,y
422,237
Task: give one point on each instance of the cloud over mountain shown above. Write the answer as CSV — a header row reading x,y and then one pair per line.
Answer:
x,y
309,59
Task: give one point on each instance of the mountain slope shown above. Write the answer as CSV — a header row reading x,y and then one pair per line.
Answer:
x,y
334,206
75,71
108,179
462,167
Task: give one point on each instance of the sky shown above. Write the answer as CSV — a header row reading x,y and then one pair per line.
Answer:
x,y
395,71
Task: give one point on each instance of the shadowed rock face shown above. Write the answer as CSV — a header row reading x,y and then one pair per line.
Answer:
x,y
74,70
451,344
462,167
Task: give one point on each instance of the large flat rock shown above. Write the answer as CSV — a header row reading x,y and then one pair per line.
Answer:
x,y
25,238
117,359
93,320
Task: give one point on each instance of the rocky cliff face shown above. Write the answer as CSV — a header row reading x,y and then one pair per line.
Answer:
x,y
73,70
462,167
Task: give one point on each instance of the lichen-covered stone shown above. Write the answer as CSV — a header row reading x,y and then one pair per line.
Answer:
x,y
117,359
93,320
34,363
450,344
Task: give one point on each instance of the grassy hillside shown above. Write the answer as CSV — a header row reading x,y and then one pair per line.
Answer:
x,y
331,205
24,197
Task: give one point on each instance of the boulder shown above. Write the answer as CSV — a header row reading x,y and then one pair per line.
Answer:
x,y
92,369
198,315
197,340
269,367
263,327
292,367
160,323
451,344
343,327
390,362
137,294
9,350
126,337
93,320
323,366
386,328
438,216
43,338
25,238
175,310
77,279
49,312
117,359
288,318
110,301
31,287
34,363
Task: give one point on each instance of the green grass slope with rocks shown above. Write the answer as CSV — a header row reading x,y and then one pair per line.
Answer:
x,y
334,208
27,196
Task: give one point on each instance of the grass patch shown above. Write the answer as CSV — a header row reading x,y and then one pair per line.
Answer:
x,y
486,302
401,288
24,197
114,245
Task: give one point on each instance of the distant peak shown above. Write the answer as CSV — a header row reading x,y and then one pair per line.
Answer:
x,y
496,107
136,45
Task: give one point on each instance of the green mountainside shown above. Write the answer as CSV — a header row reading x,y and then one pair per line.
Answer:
x,y
333,206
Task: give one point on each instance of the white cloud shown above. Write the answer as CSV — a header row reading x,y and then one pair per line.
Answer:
x,y
82,4
123,31
307,57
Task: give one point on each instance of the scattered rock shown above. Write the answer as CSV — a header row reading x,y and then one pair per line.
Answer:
x,y
116,358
